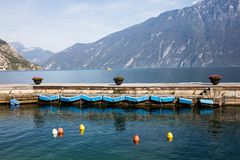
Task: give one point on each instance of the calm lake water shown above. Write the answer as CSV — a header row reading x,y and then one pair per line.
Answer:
x,y
25,133
131,75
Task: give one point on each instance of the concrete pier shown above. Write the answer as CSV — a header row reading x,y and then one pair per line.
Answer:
x,y
222,94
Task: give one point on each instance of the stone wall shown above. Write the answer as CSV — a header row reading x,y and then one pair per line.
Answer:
x,y
223,94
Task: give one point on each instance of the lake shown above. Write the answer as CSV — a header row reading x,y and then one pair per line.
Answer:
x,y
162,75
26,133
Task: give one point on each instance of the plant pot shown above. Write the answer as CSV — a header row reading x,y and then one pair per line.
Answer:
x,y
215,79
37,80
118,82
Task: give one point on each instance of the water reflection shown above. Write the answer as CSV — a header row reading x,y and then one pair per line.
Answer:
x,y
38,119
119,122
120,116
162,111
184,110
205,111
215,127
49,108
13,107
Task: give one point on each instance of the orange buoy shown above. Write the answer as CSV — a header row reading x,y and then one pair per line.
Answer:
x,y
60,135
136,139
60,131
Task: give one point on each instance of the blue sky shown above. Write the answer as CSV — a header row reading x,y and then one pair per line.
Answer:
x,y
58,24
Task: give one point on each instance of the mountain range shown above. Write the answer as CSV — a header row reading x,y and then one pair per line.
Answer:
x,y
11,60
203,35
35,55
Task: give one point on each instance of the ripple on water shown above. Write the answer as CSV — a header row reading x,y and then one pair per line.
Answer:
x,y
26,134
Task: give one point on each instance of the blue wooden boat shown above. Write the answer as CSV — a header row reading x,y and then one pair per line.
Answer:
x,y
137,99
206,101
108,99
14,102
48,98
169,99
70,99
119,99
155,98
185,101
114,99
159,99
91,99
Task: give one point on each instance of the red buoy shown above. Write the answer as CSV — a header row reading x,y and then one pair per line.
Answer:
x,y
136,139
60,131
60,135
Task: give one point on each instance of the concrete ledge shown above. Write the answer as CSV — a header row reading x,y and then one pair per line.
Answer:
x,y
224,93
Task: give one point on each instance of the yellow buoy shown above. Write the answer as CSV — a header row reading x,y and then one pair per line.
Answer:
x,y
81,127
170,136
82,132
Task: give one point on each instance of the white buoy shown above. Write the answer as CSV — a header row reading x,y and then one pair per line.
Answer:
x,y
54,132
55,135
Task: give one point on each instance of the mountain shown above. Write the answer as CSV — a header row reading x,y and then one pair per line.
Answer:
x,y
203,35
34,54
11,60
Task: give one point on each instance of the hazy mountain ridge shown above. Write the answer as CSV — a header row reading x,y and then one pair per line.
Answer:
x,y
204,35
33,54
11,60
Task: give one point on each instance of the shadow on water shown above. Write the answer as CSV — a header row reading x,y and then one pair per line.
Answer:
x,y
115,110
184,110
120,116
215,127
13,107
206,111
119,122
39,119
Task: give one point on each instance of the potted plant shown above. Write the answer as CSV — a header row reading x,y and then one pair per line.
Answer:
x,y
215,79
37,80
118,80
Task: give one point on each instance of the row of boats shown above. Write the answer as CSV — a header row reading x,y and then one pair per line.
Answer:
x,y
131,99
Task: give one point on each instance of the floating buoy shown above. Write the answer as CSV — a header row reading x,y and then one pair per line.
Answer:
x,y
60,131
54,132
82,132
136,139
60,135
170,136
82,127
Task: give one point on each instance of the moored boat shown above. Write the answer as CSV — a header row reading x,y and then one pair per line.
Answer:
x,y
137,99
168,99
48,98
70,99
13,101
114,99
108,99
185,101
206,101
119,98
91,99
